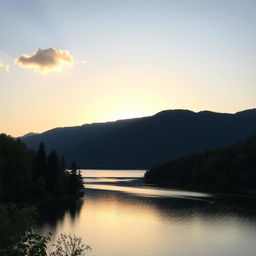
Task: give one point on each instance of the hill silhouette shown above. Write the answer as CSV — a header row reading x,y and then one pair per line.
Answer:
x,y
144,142
228,169
63,138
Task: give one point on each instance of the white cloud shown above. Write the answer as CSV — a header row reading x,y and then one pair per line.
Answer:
x,y
46,60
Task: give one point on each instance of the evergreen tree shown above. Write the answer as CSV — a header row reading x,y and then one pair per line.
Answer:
x,y
31,177
75,180
39,172
40,162
53,170
15,168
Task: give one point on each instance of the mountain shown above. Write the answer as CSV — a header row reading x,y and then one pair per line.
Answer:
x,y
64,138
29,134
144,142
229,169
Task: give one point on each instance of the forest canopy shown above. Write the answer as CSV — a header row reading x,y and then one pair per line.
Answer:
x,y
28,176
229,169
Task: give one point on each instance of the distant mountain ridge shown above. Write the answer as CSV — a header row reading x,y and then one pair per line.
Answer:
x,y
63,138
29,134
144,142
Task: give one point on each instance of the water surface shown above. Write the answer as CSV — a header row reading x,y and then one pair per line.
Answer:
x,y
120,216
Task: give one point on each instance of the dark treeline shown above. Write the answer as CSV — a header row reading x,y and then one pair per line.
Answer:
x,y
30,182
29,177
231,169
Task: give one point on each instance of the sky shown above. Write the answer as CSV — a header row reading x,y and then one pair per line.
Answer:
x,y
67,63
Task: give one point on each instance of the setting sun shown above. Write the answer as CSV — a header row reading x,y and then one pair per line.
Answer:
x,y
128,127
127,114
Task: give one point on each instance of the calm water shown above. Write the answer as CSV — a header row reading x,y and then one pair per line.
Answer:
x,y
120,216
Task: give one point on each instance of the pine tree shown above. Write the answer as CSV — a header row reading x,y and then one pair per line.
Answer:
x,y
75,180
53,171
40,162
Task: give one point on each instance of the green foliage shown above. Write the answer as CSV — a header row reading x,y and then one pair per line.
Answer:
x,y
230,169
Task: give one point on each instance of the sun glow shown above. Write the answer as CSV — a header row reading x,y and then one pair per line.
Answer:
x,y
127,114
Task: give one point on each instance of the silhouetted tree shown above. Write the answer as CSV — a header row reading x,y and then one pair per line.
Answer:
x,y
27,176
17,237
30,178
52,171
15,169
75,180
40,162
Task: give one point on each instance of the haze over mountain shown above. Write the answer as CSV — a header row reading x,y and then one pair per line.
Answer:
x,y
144,142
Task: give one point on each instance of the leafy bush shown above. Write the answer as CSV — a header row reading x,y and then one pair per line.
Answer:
x,y
69,245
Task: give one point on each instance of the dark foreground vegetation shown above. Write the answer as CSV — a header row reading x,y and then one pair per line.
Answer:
x,y
230,169
29,177
17,237
30,181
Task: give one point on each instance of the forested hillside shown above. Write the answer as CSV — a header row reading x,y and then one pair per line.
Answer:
x,y
148,141
230,169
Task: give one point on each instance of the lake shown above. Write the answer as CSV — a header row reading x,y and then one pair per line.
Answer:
x,y
120,216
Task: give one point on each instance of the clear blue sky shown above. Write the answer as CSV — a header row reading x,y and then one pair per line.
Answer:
x,y
129,58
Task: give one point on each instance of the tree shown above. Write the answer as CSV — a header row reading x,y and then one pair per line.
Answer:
x,y
75,180
69,245
15,169
53,170
17,237
40,162
229,169
30,177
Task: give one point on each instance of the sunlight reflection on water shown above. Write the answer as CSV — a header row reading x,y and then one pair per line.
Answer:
x,y
118,219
